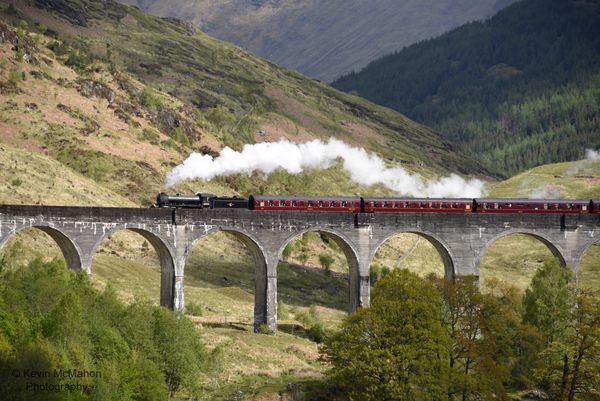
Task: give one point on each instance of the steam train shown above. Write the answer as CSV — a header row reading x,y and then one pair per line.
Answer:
x,y
379,205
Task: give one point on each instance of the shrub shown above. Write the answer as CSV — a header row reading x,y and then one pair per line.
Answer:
x,y
194,309
149,98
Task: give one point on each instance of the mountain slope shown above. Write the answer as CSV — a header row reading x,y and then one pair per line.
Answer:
x,y
518,90
323,39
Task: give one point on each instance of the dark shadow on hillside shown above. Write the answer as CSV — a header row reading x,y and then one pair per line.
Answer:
x,y
293,329
297,285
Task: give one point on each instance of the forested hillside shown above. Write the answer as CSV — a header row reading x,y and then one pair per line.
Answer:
x,y
518,90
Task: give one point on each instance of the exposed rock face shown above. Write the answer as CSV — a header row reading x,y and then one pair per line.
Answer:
x,y
91,88
21,43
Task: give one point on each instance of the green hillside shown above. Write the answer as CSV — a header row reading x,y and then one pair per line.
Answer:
x,y
517,90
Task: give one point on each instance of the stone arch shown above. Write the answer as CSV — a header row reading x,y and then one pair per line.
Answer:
x,y
556,250
265,292
352,257
582,255
522,277
168,268
71,252
441,247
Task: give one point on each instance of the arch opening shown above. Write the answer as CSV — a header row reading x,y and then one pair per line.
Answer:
x,y
588,271
318,280
226,279
137,264
513,258
40,242
418,252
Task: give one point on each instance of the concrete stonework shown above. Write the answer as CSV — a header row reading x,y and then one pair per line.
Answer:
x,y
461,239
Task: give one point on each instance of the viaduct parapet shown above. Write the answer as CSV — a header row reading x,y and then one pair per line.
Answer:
x,y
460,239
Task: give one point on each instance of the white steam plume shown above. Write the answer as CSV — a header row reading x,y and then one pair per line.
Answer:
x,y
593,155
364,168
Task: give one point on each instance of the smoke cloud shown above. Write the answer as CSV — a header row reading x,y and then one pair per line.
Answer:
x,y
593,155
364,168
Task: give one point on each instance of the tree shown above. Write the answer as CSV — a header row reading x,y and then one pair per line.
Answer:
x,y
181,354
397,348
481,332
548,301
326,261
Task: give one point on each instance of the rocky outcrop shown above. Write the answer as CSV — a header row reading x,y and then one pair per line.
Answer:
x,y
89,88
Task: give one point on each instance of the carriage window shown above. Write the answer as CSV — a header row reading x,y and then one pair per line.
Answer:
x,y
454,205
262,203
496,206
385,204
281,203
486,205
406,205
396,204
310,203
421,205
333,203
320,203
443,205
271,203
294,203
344,203
431,204
545,206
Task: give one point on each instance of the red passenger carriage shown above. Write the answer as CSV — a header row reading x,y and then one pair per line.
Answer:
x,y
401,205
313,203
505,205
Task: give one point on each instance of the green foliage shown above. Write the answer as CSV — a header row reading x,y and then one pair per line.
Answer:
x,y
194,309
263,329
221,117
41,28
180,136
377,272
397,348
326,261
23,26
16,76
517,90
149,98
569,319
53,319
287,252
548,301
282,310
313,324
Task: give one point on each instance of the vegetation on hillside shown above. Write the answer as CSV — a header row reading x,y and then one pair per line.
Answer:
x,y
62,339
416,343
517,90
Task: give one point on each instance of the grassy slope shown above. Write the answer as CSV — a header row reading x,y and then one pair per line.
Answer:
x,y
259,96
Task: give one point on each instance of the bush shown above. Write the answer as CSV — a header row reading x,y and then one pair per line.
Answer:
x,y
52,318
282,310
313,324
194,309
149,98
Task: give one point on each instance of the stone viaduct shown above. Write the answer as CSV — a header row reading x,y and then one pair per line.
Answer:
x,y
461,239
